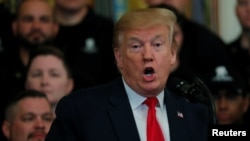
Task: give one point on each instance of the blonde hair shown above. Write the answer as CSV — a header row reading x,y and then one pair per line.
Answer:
x,y
144,18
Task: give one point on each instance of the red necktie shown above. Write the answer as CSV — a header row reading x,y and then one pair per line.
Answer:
x,y
154,132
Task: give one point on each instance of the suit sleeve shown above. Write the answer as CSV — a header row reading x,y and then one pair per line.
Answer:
x,y
62,128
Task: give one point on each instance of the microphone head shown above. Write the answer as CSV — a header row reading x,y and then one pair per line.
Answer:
x,y
178,85
194,92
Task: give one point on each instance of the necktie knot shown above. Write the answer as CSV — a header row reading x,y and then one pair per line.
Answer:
x,y
151,102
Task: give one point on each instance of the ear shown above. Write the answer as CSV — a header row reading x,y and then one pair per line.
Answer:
x,y
55,28
118,58
26,85
246,104
6,129
70,85
14,27
173,51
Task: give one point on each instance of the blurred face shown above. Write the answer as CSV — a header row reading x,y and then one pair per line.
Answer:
x,y
178,36
243,13
71,5
153,2
48,74
35,24
144,59
230,108
32,120
178,4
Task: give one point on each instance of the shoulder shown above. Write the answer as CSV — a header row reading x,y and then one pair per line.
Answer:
x,y
95,93
92,15
88,100
192,27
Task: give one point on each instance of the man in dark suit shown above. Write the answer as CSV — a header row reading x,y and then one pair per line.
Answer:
x,y
144,52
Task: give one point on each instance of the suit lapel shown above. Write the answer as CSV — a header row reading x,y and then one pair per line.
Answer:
x,y
123,120
122,116
176,117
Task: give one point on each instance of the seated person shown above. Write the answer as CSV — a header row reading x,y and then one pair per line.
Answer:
x,y
28,116
48,72
231,99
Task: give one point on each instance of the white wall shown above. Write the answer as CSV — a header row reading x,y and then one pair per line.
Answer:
x,y
229,27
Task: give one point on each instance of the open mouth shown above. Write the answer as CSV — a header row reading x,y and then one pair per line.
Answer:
x,y
149,71
149,74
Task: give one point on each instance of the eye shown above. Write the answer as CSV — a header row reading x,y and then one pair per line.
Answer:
x,y
158,46
45,19
48,117
243,3
135,47
27,19
28,117
36,74
54,74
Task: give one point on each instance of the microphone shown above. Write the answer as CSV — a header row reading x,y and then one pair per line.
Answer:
x,y
192,91
195,91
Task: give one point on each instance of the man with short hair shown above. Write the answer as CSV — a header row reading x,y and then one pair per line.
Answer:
x,y
28,116
136,106
86,39
230,96
33,26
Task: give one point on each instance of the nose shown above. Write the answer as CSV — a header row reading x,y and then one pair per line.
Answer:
x,y
147,53
39,123
222,103
45,80
36,24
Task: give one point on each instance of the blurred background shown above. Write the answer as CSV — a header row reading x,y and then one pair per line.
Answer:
x,y
218,15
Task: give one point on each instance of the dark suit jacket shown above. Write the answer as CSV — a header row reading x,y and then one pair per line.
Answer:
x,y
104,113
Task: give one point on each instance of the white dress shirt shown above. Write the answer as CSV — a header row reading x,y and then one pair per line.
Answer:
x,y
140,111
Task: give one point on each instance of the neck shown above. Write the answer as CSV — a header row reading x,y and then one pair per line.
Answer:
x,y
24,56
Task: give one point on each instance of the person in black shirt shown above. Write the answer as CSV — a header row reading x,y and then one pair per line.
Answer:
x,y
230,96
6,35
86,39
239,49
33,25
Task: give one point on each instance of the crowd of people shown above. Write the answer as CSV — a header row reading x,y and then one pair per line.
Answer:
x,y
73,74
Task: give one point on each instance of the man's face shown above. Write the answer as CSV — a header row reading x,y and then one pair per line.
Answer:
x,y
243,13
230,107
35,24
145,57
32,120
49,75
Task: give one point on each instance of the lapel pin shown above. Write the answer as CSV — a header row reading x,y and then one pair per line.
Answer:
x,y
180,114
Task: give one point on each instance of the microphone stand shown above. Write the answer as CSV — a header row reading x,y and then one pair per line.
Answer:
x,y
210,102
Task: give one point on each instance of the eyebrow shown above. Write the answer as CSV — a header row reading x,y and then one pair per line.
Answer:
x,y
137,39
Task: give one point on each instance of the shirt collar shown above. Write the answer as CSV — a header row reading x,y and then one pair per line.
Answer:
x,y
136,100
